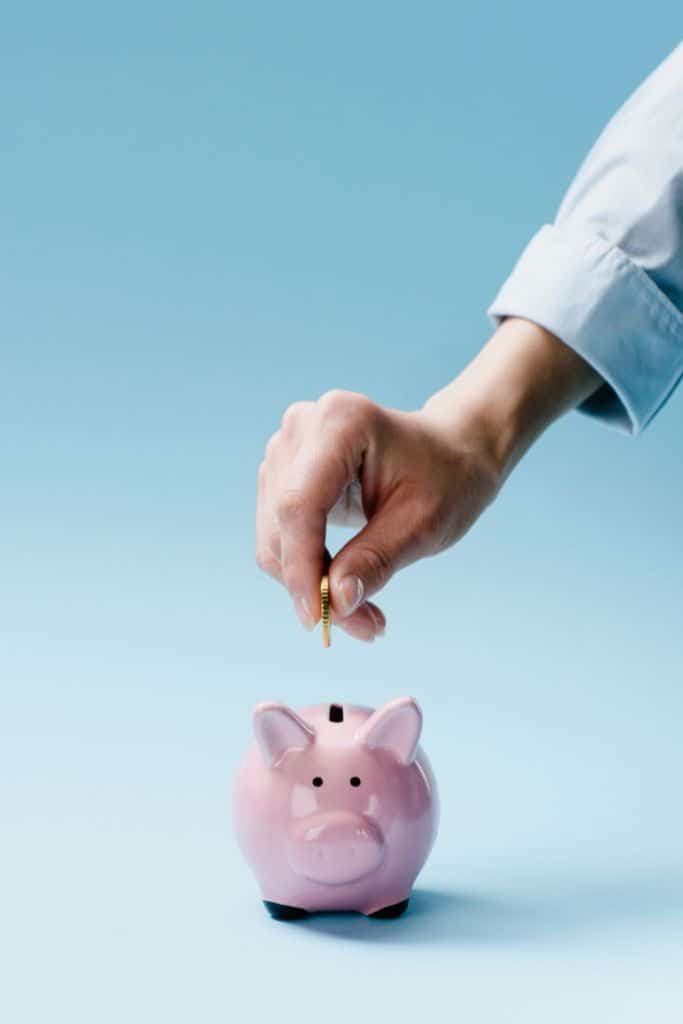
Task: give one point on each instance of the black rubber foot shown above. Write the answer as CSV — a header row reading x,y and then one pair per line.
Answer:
x,y
281,912
395,910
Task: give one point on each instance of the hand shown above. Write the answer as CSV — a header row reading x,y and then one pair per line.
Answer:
x,y
424,476
421,490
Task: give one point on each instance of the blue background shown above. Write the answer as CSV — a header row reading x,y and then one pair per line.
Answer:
x,y
211,210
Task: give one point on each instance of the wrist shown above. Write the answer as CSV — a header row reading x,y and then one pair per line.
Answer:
x,y
522,380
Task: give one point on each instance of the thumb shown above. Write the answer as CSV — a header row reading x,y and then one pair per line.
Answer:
x,y
369,560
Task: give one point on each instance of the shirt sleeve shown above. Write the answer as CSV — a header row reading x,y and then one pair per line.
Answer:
x,y
607,276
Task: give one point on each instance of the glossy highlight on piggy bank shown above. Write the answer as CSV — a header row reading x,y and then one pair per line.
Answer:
x,y
335,807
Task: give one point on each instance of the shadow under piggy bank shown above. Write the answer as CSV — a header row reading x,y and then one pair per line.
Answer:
x,y
557,909
431,916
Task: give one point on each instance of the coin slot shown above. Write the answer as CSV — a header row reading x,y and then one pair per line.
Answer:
x,y
336,713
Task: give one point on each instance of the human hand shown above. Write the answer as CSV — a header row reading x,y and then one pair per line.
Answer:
x,y
420,491
423,477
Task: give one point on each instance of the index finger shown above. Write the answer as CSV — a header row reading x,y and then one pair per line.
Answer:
x,y
308,489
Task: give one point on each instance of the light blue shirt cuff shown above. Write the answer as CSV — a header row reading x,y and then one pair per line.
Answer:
x,y
595,299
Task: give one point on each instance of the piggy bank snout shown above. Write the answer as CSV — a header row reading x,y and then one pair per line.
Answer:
x,y
335,847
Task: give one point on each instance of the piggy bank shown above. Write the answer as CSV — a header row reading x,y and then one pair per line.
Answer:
x,y
335,807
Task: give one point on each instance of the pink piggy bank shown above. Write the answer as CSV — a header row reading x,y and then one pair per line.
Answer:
x,y
335,807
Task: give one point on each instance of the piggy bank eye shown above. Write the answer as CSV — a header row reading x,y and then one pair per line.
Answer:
x,y
317,781
354,780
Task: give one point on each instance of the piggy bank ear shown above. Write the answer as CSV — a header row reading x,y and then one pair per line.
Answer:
x,y
395,727
278,729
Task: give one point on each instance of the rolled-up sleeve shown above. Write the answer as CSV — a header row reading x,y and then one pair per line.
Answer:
x,y
607,276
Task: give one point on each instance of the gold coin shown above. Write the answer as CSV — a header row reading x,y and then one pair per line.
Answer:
x,y
325,609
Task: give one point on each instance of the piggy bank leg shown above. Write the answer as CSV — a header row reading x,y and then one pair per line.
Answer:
x,y
281,912
395,910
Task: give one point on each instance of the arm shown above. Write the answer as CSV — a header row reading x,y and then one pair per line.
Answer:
x,y
425,476
591,317
521,381
607,276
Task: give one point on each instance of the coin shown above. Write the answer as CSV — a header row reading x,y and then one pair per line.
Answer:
x,y
325,609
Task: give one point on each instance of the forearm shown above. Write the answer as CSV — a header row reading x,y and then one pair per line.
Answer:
x,y
607,276
521,381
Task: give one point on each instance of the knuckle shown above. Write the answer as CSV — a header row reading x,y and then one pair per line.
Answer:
x,y
348,407
379,565
274,546
292,415
332,399
267,562
290,506
336,402
273,445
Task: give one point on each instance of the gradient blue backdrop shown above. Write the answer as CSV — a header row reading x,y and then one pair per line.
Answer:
x,y
208,211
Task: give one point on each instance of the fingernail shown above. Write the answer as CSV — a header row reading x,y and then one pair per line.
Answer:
x,y
350,592
304,613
